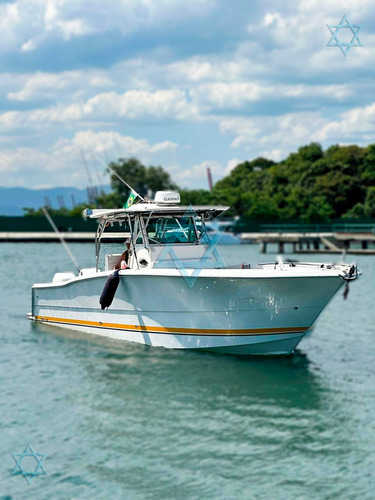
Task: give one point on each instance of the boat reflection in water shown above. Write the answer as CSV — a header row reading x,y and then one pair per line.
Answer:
x,y
172,290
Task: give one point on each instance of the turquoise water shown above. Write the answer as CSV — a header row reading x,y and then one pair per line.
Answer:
x,y
123,421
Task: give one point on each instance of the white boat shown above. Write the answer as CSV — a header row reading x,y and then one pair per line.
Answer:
x,y
177,293
225,238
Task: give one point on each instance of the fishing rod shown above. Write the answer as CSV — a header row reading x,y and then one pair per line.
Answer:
x,y
120,178
67,249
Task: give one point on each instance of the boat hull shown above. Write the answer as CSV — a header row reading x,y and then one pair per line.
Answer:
x,y
239,315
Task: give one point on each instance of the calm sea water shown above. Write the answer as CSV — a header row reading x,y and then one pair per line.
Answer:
x,y
123,421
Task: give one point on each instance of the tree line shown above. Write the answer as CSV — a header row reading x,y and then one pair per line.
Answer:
x,y
310,184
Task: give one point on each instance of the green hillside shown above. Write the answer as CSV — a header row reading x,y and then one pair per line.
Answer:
x,y
311,184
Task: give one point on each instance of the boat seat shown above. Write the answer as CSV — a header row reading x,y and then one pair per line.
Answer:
x,y
111,260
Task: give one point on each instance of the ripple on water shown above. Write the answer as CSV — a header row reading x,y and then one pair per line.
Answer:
x,y
119,420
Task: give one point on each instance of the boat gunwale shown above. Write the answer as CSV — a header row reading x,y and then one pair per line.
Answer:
x,y
240,274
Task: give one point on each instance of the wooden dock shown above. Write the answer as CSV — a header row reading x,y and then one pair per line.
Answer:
x,y
314,242
298,242
50,237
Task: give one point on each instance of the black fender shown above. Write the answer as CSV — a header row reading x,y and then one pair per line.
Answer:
x,y
109,290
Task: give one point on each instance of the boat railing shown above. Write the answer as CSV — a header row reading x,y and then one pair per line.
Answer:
x,y
322,227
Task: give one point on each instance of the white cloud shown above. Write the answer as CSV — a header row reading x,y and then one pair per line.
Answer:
x,y
227,96
277,136
197,174
291,40
271,89
28,46
27,24
110,143
41,85
283,133
133,74
216,68
356,125
132,105
140,104
143,105
232,95
231,165
56,19
62,163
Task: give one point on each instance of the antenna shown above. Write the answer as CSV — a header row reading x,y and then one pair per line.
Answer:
x,y
60,201
121,179
209,177
91,189
67,249
97,178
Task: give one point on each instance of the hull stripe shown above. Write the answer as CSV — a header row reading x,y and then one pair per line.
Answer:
x,y
183,331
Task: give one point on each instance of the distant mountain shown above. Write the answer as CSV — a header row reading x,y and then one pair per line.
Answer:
x,y
13,200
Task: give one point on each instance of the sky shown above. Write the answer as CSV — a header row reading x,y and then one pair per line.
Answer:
x,y
185,85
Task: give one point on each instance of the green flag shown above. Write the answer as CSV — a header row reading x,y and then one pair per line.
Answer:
x,y
130,200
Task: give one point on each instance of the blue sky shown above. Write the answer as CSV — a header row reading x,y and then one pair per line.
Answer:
x,y
183,84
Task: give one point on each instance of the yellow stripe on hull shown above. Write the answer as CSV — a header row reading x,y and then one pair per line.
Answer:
x,y
183,331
